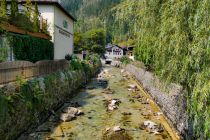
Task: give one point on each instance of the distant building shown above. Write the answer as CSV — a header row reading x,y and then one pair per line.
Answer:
x,y
113,51
60,24
130,53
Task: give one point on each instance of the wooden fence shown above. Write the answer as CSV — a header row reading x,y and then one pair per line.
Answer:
x,y
10,70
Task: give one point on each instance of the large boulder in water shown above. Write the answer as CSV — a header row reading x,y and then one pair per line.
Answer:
x,y
116,133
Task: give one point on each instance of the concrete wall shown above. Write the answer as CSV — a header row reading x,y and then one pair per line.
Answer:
x,y
47,12
63,36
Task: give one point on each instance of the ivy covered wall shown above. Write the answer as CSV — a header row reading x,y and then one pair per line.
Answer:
x,y
4,50
25,47
30,48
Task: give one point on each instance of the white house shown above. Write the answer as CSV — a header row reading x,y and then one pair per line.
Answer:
x,y
60,22
113,51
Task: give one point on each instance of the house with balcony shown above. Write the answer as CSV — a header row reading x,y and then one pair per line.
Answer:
x,y
113,51
60,25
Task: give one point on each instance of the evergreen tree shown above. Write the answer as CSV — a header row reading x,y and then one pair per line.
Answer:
x,y
28,8
3,8
36,19
14,8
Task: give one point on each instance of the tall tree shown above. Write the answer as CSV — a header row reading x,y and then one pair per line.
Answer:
x,y
3,8
36,19
14,8
28,8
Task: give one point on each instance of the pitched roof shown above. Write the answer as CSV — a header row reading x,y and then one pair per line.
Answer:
x,y
109,46
53,2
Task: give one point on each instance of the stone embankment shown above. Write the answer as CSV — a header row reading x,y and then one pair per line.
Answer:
x,y
170,99
26,104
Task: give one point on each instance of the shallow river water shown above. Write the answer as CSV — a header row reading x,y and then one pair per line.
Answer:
x,y
96,119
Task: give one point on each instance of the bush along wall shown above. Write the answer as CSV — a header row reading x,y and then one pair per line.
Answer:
x,y
26,103
30,48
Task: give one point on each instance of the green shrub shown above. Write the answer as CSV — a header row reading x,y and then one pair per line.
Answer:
x,y
68,57
22,21
3,54
125,60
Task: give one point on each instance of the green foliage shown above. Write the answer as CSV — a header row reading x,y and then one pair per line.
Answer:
x,y
93,41
173,37
98,49
31,49
36,19
93,14
94,59
78,42
28,9
3,9
3,51
3,108
23,22
14,9
3,54
95,36
29,20
68,57
29,102
125,60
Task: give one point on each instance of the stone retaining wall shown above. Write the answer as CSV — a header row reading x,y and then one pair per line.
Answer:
x,y
24,105
172,103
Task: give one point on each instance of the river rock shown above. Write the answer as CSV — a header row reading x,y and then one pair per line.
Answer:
x,y
70,110
158,114
80,113
113,104
70,113
132,86
66,117
112,107
151,127
116,128
116,133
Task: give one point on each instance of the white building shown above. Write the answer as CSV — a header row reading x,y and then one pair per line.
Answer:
x,y
60,23
113,51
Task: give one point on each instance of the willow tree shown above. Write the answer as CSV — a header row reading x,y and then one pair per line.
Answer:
x,y
173,37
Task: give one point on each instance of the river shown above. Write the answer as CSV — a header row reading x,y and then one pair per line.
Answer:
x,y
135,108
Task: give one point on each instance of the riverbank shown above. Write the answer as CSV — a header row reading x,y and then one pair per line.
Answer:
x,y
26,104
108,104
170,98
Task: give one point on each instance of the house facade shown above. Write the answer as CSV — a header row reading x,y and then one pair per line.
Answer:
x,y
113,51
60,25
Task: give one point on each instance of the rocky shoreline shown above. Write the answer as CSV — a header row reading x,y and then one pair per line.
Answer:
x,y
171,103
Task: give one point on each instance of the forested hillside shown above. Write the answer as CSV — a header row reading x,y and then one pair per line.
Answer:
x,y
92,14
